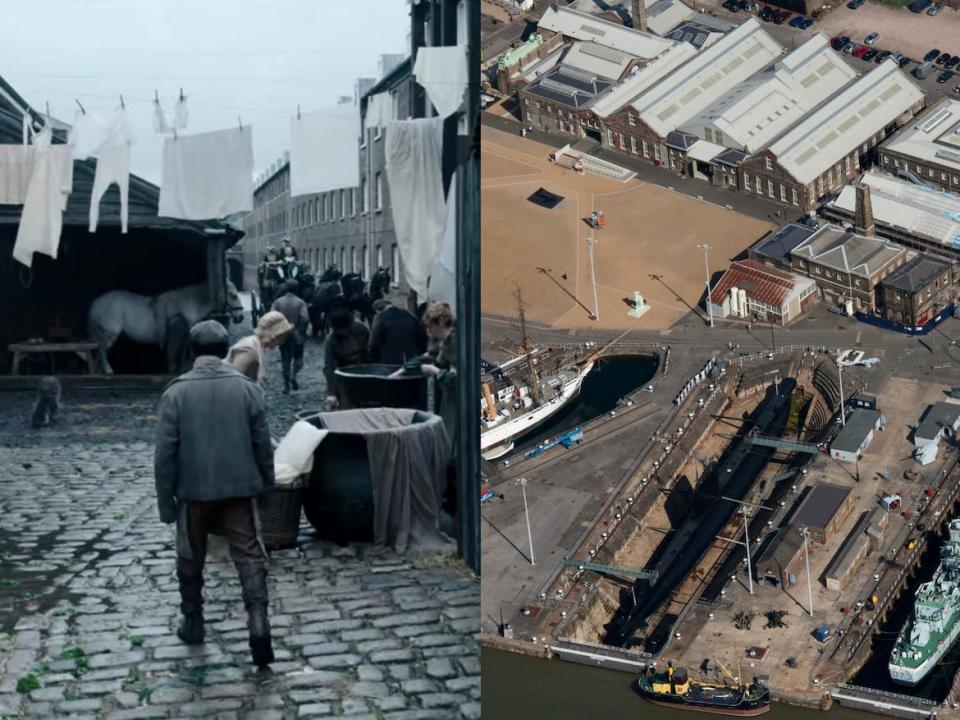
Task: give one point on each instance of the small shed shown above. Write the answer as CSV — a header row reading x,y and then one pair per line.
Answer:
x,y
823,510
781,560
855,436
940,420
157,254
851,552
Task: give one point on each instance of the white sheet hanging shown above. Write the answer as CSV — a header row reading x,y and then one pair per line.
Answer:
x,y
414,173
180,115
207,175
16,169
443,272
41,220
442,71
113,166
323,150
89,132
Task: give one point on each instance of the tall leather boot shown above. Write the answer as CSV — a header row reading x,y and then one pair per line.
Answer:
x,y
190,578
253,578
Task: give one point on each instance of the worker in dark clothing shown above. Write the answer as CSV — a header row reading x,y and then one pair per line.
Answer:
x,y
297,313
396,335
346,344
213,458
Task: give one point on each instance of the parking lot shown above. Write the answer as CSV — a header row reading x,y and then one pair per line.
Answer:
x,y
898,28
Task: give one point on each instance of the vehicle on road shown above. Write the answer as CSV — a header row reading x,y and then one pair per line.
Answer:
x,y
944,77
932,55
870,54
854,4
923,70
918,6
871,38
943,58
861,51
952,62
934,9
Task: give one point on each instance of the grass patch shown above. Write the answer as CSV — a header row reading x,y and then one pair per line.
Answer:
x,y
196,676
27,684
133,676
144,693
79,657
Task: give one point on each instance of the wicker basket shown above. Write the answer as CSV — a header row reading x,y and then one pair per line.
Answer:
x,y
280,516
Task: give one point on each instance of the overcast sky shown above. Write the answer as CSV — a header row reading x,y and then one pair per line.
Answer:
x,y
257,59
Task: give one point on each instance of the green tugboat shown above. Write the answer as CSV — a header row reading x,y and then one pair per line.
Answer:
x,y
674,688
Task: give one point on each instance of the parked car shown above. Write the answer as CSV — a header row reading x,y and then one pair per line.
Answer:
x,y
881,56
870,55
932,55
854,4
747,5
839,42
934,9
806,24
943,58
918,6
952,62
871,38
782,16
944,77
849,48
906,61
861,51
795,22
765,14
731,5
956,89
897,56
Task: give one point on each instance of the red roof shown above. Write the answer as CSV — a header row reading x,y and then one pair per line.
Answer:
x,y
761,282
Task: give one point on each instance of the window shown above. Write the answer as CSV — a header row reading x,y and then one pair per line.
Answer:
x,y
622,145
746,181
885,159
929,172
343,259
847,162
363,194
324,266
818,270
549,109
718,137
708,134
943,177
379,256
353,202
646,149
609,137
768,162
630,119
343,204
783,193
366,263
769,187
395,265
633,145
538,104
378,197
354,266
795,199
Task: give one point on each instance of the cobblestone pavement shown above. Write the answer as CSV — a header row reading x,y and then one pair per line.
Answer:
x,y
89,602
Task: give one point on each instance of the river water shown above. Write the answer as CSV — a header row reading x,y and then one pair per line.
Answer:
x,y
516,686
611,379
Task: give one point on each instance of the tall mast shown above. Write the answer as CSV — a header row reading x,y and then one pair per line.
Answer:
x,y
527,347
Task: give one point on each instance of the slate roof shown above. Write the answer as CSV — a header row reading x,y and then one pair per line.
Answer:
x,y
838,249
916,274
568,86
820,505
778,245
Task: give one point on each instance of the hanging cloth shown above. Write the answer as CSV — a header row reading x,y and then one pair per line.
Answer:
x,y
443,272
41,220
323,150
90,131
208,175
16,169
180,116
442,71
414,174
380,110
113,166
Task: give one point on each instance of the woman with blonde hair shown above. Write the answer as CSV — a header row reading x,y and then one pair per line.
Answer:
x,y
248,354
440,362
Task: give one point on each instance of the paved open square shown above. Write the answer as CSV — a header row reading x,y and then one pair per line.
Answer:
x,y
649,231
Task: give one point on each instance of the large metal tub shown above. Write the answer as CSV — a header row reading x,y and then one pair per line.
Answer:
x,y
367,386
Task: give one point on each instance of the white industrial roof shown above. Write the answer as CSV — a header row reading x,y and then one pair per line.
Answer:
x,y
583,26
643,78
916,209
852,116
934,136
754,112
707,77
664,15
704,151
598,59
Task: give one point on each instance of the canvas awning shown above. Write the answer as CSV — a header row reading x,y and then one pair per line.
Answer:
x,y
704,151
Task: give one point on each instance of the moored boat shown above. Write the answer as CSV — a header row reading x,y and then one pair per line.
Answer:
x,y
674,688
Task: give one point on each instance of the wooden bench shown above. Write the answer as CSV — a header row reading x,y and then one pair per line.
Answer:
x,y
84,350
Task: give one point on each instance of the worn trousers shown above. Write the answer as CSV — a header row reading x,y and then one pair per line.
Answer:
x,y
235,519
291,353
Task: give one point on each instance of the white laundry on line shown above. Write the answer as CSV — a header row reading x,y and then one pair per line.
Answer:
x,y
381,109
323,150
443,272
113,166
442,72
41,220
180,116
16,169
207,175
414,173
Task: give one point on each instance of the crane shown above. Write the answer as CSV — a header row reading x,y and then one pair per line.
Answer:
x,y
728,673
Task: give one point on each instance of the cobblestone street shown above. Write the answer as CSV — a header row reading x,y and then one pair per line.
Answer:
x,y
89,601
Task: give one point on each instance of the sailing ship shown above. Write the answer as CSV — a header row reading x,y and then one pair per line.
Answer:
x,y
674,688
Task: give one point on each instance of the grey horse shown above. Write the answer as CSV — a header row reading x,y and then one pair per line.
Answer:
x,y
145,319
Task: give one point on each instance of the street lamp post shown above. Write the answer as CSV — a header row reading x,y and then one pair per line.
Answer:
x,y
805,534
523,488
843,414
705,249
593,277
746,537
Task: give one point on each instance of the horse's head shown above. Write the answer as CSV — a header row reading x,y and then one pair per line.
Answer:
x,y
234,306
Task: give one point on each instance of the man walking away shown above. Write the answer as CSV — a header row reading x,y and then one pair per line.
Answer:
x,y
346,344
295,310
213,457
396,334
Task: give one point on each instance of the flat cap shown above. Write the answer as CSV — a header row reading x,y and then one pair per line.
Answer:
x,y
209,332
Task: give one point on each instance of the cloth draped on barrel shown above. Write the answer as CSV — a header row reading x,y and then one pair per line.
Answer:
x,y
407,451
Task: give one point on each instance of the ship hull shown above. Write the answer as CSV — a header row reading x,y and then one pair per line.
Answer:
x,y
746,708
499,440
909,677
